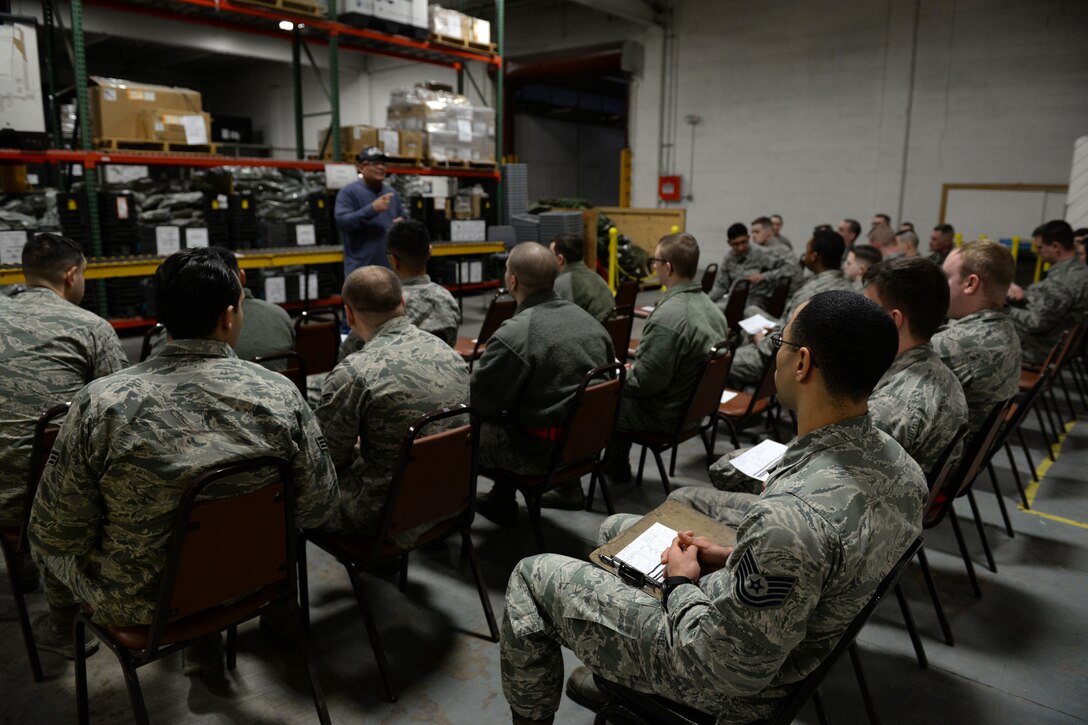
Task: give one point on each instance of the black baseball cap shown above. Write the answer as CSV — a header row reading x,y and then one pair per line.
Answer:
x,y
370,155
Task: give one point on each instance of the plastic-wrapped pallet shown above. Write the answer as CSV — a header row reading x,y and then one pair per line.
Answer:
x,y
456,131
526,226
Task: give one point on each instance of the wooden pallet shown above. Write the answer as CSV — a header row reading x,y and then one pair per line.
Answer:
x,y
295,7
142,145
460,164
462,44
404,160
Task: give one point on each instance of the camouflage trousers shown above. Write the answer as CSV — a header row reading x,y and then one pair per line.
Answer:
x,y
729,507
725,477
11,507
64,583
506,447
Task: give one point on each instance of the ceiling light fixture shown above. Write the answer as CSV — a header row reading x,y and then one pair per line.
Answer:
x,y
286,25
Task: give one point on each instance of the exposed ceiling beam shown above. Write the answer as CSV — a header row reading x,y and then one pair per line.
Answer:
x,y
636,11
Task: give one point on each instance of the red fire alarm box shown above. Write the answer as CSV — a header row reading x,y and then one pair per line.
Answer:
x,y
668,188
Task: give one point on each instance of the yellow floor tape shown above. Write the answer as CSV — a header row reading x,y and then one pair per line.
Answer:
x,y
1033,486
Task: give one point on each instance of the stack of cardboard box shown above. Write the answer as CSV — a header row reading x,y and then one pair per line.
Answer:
x,y
123,110
450,25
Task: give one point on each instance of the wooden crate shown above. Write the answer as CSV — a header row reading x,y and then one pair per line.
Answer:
x,y
644,227
143,145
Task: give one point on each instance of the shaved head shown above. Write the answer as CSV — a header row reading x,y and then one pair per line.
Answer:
x,y
534,266
373,290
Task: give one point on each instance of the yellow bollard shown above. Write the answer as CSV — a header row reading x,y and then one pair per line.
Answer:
x,y
674,229
613,258
959,239
1015,248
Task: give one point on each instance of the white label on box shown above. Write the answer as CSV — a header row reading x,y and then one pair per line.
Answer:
x,y
468,230
464,130
77,169
167,240
357,133
390,140
109,94
196,237
32,179
117,174
195,130
475,272
312,281
11,247
275,289
149,96
337,176
160,126
135,95
437,187
305,236
223,200
122,207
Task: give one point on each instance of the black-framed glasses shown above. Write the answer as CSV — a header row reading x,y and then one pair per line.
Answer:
x,y
655,260
777,341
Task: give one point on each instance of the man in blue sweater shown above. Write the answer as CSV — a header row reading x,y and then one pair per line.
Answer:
x,y
365,210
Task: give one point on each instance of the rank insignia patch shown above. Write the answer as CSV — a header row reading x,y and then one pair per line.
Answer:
x,y
760,590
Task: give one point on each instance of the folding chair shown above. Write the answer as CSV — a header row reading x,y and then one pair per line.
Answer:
x,y
737,301
150,337
585,434
776,305
295,371
317,338
14,542
626,296
743,406
709,274
631,706
501,309
619,326
1046,374
698,419
228,559
434,483
1027,402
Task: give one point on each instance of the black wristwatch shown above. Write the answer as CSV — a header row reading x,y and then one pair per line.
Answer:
x,y
671,583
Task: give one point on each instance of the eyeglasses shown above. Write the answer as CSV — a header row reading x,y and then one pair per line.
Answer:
x,y
777,341
655,260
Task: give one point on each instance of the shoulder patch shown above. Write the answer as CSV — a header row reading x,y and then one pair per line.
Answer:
x,y
757,589
54,456
322,443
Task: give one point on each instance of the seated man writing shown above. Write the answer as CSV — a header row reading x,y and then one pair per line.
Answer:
x,y
719,641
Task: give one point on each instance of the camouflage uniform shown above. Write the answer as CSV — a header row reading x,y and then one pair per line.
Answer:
x,y
722,645
401,375
579,284
267,330
791,264
781,241
428,306
49,349
1053,305
130,447
983,352
920,403
756,261
749,360
668,361
523,385
937,258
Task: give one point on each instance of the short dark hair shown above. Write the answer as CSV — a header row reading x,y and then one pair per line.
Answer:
x,y
916,287
945,229
855,226
867,253
762,221
779,216
534,265
1081,233
829,247
192,289
822,228
48,256
1056,231
682,251
229,258
852,339
409,241
887,219
374,289
736,230
571,246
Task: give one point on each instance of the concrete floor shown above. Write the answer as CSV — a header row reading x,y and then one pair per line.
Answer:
x,y
1019,655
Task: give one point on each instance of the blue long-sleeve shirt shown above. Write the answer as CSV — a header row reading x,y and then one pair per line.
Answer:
x,y
362,228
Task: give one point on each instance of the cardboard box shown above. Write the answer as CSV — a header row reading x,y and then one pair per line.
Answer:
x,y
411,144
446,22
353,139
13,179
480,31
184,128
389,141
116,105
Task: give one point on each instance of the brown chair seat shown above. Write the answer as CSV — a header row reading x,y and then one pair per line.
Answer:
x,y
736,407
361,548
196,626
1028,379
10,535
467,348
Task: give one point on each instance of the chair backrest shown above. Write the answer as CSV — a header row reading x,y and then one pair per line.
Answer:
x,y
707,395
500,310
976,453
295,370
1067,344
619,326
1018,410
709,274
627,295
942,470
45,435
435,475
738,300
776,305
227,548
317,338
149,340
506,234
592,418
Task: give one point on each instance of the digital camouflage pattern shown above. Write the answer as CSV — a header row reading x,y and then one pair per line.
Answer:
x,y
669,359
983,352
750,359
401,375
428,306
49,349
920,403
757,260
130,447
838,513
579,284
528,376
1053,305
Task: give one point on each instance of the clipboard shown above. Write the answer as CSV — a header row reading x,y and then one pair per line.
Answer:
x,y
676,516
